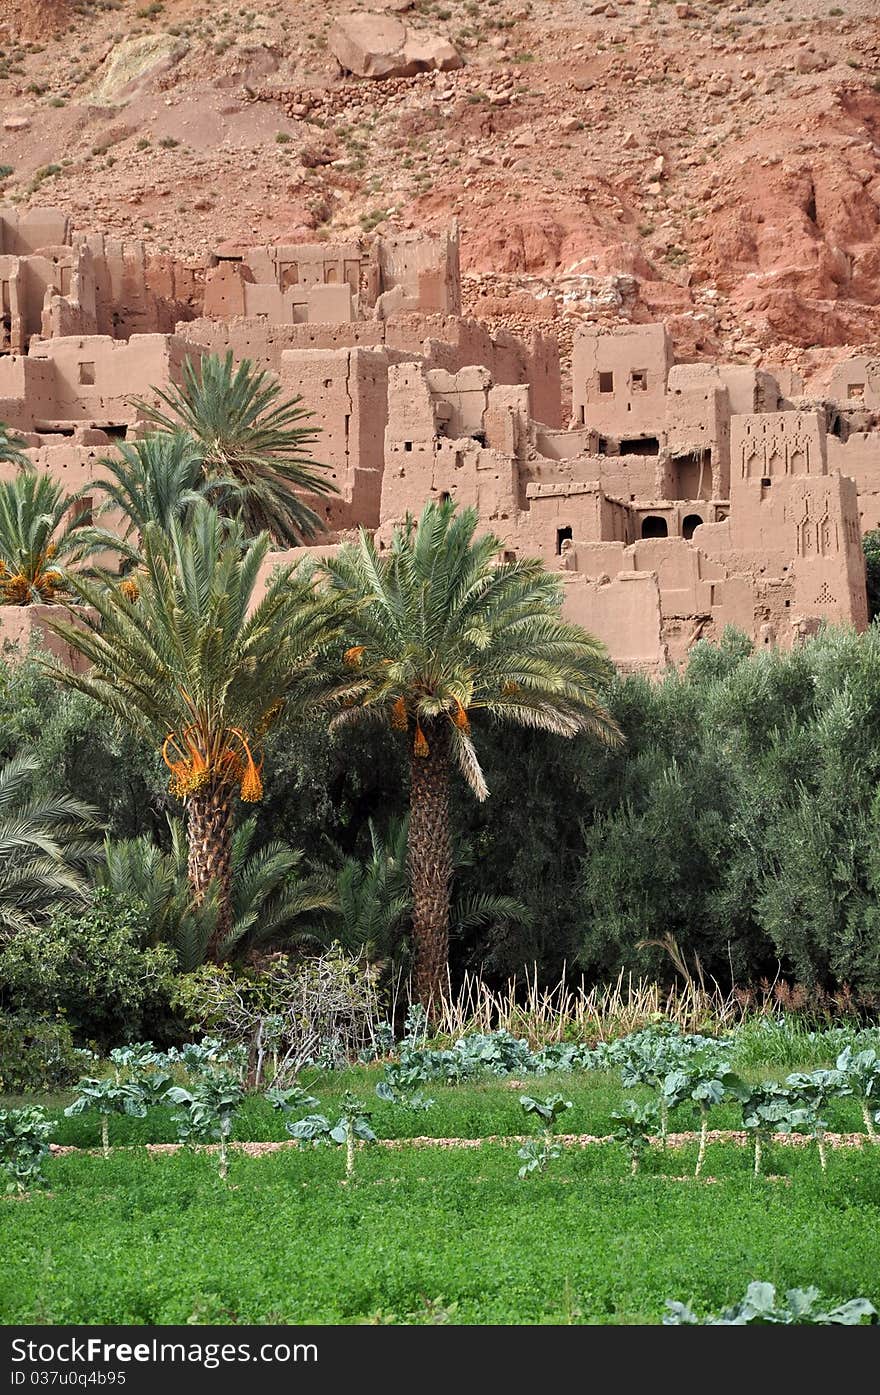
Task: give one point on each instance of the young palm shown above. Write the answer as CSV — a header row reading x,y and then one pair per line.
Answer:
x,y
441,630
11,448
39,534
272,894
202,668
46,845
373,901
254,448
156,480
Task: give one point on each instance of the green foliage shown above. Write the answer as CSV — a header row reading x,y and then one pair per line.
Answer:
x,y
46,845
760,1305
274,898
11,445
743,822
92,967
253,449
548,1110
156,480
609,1248
193,654
536,1153
207,1110
40,535
24,1144
36,1054
352,1127
633,1125
74,748
871,548
106,1096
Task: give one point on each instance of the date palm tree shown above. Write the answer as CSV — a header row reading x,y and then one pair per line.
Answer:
x,y
441,631
202,667
254,448
156,480
40,536
47,844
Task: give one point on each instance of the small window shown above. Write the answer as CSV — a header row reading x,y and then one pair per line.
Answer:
x,y
445,497
562,535
81,512
508,557
606,382
638,380
407,445
856,390
87,374
690,525
655,527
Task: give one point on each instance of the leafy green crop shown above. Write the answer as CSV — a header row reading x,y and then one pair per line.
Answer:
x,y
537,1152
24,1144
105,1097
760,1305
352,1126
206,1112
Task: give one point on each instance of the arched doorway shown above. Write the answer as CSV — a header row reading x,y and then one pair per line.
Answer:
x,y
654,527
689,525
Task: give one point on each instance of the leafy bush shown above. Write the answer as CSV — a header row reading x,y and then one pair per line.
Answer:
x,y
743,818
24,1143
288,1012
94,969
36,1053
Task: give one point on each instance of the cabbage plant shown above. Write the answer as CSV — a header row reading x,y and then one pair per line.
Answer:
x,y
760,1305
106,1096
633,1126
352,1126
861,1070
537,1152
206,1112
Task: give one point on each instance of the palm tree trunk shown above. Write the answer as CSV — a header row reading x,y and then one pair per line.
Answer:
x,y
430,864
209,829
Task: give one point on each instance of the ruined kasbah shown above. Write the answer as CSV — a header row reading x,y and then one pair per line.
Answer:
x,y
674,498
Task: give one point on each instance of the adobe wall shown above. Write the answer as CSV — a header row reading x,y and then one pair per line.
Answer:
x,y
349,390
94,378
22,627
619,379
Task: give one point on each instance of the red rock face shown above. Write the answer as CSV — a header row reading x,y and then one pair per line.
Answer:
x,y
714,163
34,19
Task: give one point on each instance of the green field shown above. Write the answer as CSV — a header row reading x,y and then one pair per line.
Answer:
x,y
431,1233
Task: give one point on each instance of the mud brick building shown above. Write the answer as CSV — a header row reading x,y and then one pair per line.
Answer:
x,y
675,499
